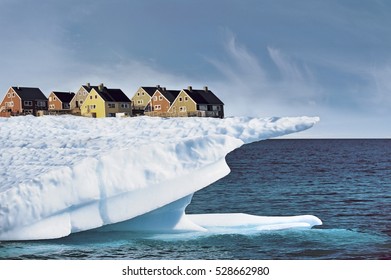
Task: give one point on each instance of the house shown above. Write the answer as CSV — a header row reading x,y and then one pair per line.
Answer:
x,y
105,102
141,99
161,102
196,102
23,101
81,96
60,101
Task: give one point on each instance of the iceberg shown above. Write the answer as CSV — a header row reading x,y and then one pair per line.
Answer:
x,y
64,174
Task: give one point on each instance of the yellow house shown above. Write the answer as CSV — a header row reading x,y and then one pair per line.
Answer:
x,y
104,102
81,95
197,103
142,98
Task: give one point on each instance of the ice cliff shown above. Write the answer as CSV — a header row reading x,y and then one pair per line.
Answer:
x,y
65,174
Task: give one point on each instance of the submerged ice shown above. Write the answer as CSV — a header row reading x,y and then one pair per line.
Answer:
x,y
61,175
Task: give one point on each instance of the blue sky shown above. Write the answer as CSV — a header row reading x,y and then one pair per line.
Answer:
x,y
330,59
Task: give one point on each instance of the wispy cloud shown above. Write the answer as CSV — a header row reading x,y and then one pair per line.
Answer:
x,y
246,78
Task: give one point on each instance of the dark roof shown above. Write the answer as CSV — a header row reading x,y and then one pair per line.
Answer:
x,y
64,97
170,94
89,88
150,90
28,93
201,96
113,95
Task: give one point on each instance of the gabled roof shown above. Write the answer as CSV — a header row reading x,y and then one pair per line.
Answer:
x,y
64,97
88,88
170,95
201,96
29,93
112,95
150,90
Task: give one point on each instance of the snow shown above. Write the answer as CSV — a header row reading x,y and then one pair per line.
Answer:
x,y
65,174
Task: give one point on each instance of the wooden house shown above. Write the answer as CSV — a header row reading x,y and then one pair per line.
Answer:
x,y
23,101
141,99
161,102
196,102
60,101
105,102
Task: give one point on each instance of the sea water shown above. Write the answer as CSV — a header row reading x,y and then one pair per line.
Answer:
x,y
344,182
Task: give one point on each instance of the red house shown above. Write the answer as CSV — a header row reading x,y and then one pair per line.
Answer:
x,y
23,101
60,101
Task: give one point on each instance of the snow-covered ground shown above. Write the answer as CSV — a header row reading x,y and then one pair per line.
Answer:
x,y
65,174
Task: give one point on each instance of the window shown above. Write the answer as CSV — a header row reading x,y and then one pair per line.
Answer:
x,y
9,104
81,102
140,101
54,98
160,97
96,96
50,98
143,93
138,94
186,98
111,105
124,105
90,96
158,107
28,112
155,98
92,106
41,103
203,108
9,95
28,103
51,106
182,109
180,99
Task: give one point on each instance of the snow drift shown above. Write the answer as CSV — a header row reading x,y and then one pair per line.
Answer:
x,y
61,175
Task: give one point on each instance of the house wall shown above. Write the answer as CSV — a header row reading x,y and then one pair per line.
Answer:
x,y
117,108
181,102
140,99
159,103
54,103
79,98
93,106
11,104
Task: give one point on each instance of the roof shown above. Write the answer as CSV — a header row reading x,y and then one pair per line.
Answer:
x,y
29,93
64,97
112,95
201,96
170,95
89,88
150,90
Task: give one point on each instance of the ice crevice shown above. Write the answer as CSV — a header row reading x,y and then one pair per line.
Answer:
x,y
64,174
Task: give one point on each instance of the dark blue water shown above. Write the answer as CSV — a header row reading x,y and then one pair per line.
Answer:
x,y
346,183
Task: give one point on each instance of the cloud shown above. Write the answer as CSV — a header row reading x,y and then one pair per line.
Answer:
x,y
249,87
381,93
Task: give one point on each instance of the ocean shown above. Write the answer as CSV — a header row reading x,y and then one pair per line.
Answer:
x,y
344,182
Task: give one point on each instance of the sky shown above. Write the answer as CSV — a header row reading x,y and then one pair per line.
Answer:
x,y
263,58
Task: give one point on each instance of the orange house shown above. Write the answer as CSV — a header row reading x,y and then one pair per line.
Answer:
x,y
60,101
23,101
161,101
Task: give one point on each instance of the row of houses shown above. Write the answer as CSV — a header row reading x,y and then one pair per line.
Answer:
x,y
100,101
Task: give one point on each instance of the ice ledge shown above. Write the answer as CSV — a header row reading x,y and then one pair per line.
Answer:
x,y
68,174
